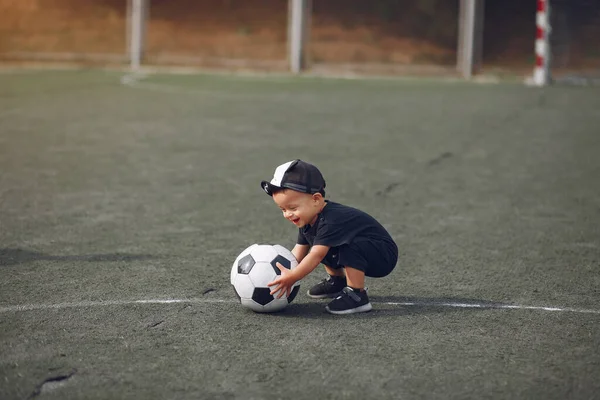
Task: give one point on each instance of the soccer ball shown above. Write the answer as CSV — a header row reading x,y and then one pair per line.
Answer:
x,y
253,269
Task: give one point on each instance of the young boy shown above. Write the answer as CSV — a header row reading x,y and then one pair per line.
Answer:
x,y
349,242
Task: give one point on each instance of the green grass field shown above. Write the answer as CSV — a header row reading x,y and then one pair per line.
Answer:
x,y
117,197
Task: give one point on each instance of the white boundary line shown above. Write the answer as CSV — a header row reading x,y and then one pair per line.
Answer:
x,y
494,306
105,303
135,80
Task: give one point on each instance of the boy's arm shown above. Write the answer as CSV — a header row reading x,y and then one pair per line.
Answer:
x,y
284,282
300,251
309,262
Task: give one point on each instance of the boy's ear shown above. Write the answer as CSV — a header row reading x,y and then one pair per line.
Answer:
x,y
317,197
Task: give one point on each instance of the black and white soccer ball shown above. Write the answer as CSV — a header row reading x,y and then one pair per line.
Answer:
x,y
253,269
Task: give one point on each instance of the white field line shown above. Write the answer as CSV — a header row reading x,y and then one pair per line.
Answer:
x,y
106,303
136,81
493,306
292,78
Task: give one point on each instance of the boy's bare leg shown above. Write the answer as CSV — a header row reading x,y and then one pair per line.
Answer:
x,y
355,278
334,272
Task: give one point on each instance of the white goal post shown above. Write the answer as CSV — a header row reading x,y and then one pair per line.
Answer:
x,y
137,15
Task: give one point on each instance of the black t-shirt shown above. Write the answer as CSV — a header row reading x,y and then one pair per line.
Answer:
x,y
338,224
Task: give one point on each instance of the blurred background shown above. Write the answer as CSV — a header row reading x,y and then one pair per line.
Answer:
x,y
383,36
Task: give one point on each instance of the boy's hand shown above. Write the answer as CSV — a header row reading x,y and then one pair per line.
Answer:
x,y
283,283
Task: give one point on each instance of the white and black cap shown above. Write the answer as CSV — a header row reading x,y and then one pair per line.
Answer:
x,y
297,175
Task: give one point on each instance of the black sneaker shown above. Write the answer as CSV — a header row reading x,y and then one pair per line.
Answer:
x,y
350,302
327,288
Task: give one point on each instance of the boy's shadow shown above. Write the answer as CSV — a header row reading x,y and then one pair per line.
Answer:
x,y
395,305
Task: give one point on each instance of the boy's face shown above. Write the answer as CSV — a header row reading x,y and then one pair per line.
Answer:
x,y
299,208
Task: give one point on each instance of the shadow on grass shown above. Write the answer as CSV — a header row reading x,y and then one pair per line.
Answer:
x,y
19,256
396,305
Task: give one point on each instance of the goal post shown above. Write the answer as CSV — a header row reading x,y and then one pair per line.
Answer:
x,y
541,72
470,37
567,49
298,33
137,14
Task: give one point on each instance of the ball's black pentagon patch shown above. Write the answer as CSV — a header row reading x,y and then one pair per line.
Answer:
x,y
262,296
293,294
245,265
237,294
283,261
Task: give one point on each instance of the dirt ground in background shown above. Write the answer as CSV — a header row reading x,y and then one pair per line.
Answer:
x,y
206,32
206,29
62,26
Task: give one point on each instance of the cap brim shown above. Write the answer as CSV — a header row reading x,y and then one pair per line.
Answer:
x,y
268,187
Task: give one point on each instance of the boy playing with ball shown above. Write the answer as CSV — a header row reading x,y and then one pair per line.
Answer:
x,y
350,243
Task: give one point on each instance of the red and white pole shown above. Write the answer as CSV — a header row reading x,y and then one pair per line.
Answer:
x,y
541,73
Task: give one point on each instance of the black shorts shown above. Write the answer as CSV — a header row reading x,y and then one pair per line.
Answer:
x,y
376,258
